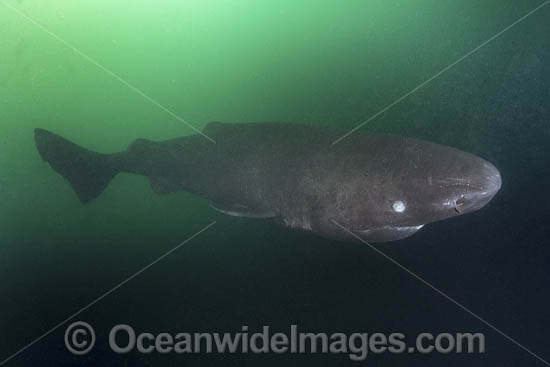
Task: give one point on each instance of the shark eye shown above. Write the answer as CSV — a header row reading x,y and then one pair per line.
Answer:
x,y
398,206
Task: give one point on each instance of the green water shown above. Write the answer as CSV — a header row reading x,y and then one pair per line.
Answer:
x,y
82,69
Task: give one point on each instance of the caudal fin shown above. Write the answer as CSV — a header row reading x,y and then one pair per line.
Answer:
x,y
88,172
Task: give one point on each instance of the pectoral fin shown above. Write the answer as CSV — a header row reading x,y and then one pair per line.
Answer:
x,y
238,210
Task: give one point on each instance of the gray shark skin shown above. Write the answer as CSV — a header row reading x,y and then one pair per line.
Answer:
x,y
381,187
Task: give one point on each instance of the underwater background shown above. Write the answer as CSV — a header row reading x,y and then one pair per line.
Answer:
x,y
321,62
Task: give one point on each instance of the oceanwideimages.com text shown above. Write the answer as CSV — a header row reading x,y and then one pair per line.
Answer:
x,y
123,338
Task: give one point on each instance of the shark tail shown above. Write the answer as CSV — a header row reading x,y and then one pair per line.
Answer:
x,y
88,172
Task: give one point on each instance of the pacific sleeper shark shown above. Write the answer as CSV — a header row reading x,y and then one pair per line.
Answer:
x,y
374,187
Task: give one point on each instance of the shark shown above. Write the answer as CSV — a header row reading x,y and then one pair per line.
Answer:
x,y
371,187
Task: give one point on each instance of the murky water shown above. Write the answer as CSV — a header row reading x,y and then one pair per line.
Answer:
x,y
137,65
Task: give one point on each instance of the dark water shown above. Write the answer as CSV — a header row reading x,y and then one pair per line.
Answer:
x,y
325,63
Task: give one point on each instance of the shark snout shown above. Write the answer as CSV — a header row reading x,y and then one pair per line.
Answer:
x,y
490,181
480,190
494,181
